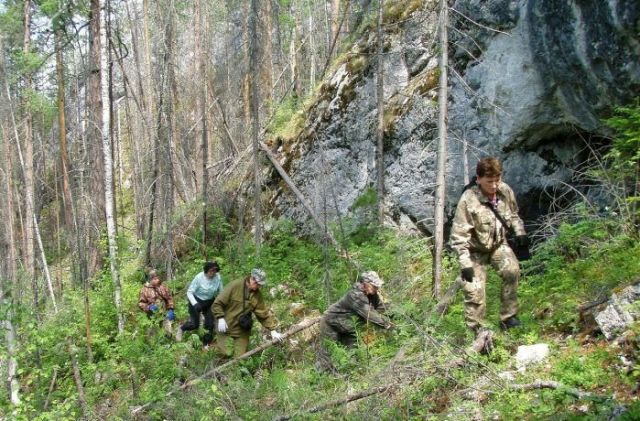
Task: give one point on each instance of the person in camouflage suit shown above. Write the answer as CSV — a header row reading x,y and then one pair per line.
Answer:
x,y
479,238
337,323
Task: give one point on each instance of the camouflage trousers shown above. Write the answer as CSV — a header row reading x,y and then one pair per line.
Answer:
x,y
337,332
506,264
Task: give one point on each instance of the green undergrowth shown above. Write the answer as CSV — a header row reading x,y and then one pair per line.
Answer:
x,y
586,259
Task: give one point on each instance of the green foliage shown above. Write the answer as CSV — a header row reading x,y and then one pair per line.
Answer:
x,y
625,151
287,120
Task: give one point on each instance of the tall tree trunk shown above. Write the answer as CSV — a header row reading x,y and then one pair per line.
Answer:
x,y
170,168
294,56
27,162
380,101
202,111
108,170
268,57
8,278
442,154
336,23
312,52
62,129
96,114
254,65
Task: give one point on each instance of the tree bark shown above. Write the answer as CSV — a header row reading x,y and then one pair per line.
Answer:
x,y
380,128
254,65
108,173
27,162
94,136
62,129
202,111
442,154
9,267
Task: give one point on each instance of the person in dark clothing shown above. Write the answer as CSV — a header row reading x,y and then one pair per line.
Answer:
x,y
337,323
203,290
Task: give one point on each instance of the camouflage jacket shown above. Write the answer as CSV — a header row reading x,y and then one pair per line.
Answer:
x,y
355,303
155,295
477,229
228,305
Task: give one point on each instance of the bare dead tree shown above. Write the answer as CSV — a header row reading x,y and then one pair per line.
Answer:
x,y
442,154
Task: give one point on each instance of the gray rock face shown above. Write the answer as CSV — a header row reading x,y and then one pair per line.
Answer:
x,y
622,309
529,82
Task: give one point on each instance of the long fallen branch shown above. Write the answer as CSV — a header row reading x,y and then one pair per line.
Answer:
x,y
292,331
297,192
331,404
550,384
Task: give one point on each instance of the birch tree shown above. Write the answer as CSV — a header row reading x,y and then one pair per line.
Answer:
x,y
108,166
442,153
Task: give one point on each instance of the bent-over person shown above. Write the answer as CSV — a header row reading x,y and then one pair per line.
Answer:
x,y
337,323
203,290
234,308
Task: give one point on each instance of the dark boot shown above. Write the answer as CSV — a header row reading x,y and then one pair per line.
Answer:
x,y
510,323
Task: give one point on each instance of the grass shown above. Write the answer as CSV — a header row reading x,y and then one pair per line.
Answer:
x,y
143,364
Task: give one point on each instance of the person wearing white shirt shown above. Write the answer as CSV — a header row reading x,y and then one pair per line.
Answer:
x,y
203,290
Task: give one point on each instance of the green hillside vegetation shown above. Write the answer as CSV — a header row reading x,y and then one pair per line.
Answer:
x,y
587,253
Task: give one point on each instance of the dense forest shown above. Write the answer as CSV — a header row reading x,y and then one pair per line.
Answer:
x,y
317,140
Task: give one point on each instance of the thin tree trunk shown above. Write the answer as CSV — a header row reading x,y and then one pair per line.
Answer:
x,y
380,129
77,377
108,173
202,110
96,122
255,121
10,267
62,129
171,170
34,221
52,386
268,57
336,23
442,155
27,162
294,56
312,51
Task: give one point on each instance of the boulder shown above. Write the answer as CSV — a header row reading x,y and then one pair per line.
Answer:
x,y
620,311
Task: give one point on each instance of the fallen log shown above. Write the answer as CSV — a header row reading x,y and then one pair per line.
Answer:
x,y
331,404
292,331
550,384
297,328
591,304
297,193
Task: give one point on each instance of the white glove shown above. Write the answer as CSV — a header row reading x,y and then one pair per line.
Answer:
x,y
277,336
222,326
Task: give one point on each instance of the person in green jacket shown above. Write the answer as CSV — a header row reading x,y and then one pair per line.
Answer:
x,y
233,309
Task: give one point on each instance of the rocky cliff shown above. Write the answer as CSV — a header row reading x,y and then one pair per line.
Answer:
x,y
529,82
